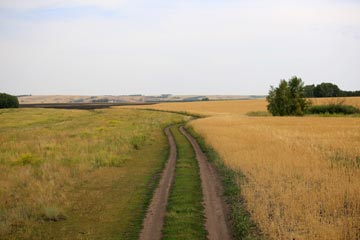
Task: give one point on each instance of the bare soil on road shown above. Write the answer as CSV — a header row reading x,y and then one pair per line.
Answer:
x,y
154,219
216,210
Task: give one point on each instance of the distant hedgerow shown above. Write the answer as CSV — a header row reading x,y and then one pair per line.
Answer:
x,y
333,109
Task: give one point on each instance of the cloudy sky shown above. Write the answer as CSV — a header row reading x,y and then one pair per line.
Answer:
x,y
94,47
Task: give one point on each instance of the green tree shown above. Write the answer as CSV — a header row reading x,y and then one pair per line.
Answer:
x,y
309,91
8,101
327,90
288,98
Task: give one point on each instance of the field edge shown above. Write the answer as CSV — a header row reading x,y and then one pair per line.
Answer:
x,y
242,224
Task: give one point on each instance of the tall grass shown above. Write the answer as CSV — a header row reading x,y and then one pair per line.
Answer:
x,y
79,169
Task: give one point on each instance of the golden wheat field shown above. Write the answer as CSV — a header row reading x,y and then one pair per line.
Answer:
x,y
302,173
354,101
239,107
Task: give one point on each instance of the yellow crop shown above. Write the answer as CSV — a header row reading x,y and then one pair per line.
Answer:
x,y
355,101
302,173
211,107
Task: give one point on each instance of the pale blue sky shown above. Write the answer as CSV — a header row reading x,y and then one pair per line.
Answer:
x,y
116,47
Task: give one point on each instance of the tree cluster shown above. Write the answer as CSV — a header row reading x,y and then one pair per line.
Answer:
x,y
288,99
327,90
8,101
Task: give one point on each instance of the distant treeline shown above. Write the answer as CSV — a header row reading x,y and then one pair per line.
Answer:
x,y
8,101
327,90
24,95
101,100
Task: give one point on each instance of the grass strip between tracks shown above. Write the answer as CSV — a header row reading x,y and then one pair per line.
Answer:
x,y
185,213
242,225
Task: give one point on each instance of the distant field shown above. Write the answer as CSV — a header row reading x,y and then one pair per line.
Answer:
x,y
60,171
36,99
80,106
239,107
354,101
74,99
302,173
212,107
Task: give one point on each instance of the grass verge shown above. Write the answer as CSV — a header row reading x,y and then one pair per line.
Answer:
x,y
185,213
242,225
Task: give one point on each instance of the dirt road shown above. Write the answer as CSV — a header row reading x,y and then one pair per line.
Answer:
x,y
154,219
215,208
217,224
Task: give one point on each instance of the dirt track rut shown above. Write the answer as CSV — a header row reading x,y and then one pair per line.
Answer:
x,y
154,219
215,208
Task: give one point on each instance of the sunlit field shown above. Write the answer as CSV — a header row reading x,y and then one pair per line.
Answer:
x,y
302,173
211,107
60,171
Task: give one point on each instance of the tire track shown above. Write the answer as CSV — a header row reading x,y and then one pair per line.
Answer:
x,y
154,220
217,223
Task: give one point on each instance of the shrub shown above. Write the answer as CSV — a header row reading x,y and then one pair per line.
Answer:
x,y
8,101
258,114
28,159
333,109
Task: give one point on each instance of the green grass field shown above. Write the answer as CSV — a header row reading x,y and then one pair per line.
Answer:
x,y
185,214
73,174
